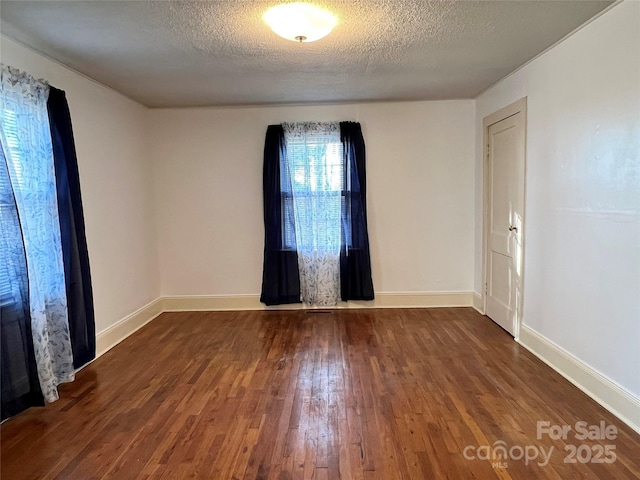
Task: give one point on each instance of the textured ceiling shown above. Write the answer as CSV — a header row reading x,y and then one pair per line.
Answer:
x,y
167,53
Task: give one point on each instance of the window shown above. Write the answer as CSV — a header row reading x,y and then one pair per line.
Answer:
x,y
40,236
6,203
313,171
316,239
7,207
314,193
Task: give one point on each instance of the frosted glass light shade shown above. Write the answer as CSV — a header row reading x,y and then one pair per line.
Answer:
x,y
300,22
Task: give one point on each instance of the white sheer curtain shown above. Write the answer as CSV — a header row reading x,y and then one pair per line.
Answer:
x,y
316,178
26,142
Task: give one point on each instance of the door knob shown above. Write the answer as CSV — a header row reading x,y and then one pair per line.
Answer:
x,y
513,229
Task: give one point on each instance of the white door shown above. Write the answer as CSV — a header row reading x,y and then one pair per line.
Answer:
x,y
505,209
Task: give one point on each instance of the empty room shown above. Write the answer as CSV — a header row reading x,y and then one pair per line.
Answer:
x,y
369,239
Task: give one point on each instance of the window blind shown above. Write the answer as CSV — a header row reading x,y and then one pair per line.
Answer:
x,y
312,188
6,207
7,201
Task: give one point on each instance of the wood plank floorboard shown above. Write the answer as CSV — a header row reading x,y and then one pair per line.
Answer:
x,y
346,394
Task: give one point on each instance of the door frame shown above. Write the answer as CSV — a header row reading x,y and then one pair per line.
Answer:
x,y
519,106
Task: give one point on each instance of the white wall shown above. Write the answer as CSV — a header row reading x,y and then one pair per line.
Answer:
x,y
117,192
582,216
420,181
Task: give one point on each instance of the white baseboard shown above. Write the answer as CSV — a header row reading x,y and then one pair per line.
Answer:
x,y
199,303
418,300
252,302
598,386
110,337
478,302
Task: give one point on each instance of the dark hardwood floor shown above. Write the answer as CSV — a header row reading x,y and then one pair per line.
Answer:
x,y
346,394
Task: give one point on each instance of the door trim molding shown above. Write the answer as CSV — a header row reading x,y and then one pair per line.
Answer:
x,y
519,106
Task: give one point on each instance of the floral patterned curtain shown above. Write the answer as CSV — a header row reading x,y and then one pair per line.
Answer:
x,y
314,174
26,142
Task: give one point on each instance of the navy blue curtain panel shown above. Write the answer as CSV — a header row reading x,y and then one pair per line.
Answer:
x,y
18,374
280,275
74,243
355,260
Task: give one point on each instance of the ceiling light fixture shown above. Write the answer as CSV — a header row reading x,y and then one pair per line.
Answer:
x,y
300,22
